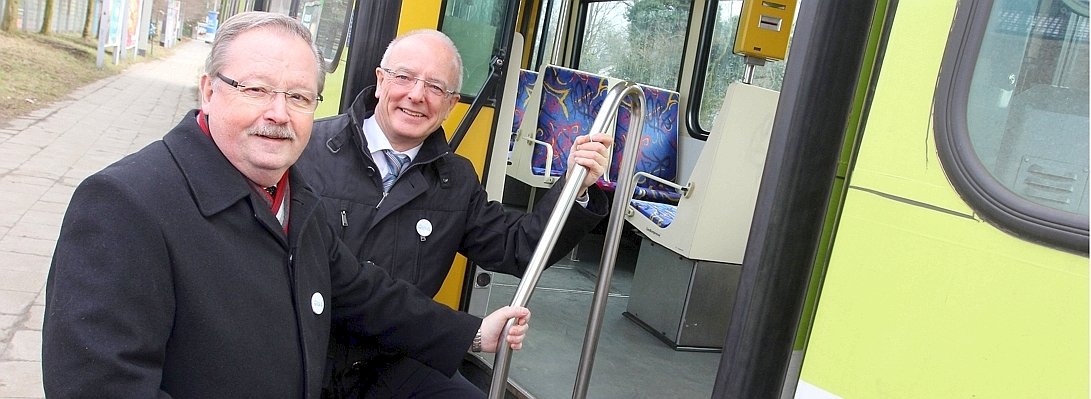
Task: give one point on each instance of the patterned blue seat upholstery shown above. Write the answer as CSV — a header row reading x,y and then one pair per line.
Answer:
x,y
659,213
570,101
522,98
658,147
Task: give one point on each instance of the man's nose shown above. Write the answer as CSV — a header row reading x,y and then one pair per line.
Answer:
x,y
417,92
277,110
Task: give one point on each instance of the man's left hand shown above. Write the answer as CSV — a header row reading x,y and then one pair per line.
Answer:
x,y
493,325
590,151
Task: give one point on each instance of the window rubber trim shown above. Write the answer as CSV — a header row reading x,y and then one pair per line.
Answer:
x,y
994,202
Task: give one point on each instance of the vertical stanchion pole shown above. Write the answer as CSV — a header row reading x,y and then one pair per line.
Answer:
x,y
623,192
103,31
607,114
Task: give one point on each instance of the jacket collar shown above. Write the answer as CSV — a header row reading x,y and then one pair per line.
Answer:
x,y
363,107
215,183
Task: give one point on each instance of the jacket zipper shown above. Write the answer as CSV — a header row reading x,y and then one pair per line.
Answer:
x,y
381,200
344,222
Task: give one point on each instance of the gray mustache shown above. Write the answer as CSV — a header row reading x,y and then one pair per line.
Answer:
x,y
272,131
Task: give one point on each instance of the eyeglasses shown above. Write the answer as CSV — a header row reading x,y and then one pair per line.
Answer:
x,y
299,101
402,79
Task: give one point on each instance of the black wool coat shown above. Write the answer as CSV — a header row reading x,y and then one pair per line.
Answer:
x,y
172,278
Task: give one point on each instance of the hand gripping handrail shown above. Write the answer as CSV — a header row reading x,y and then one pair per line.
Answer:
x,y
622,194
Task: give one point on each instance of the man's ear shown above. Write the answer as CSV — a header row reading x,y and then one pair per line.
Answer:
x,y
205,90
380,76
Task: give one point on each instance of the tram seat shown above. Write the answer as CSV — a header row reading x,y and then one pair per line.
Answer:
x,y
690,262
658,147
564,107
711,221
527,80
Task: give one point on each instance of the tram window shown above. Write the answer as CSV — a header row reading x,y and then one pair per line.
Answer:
x,y
329,24
1024,146
548,22
474,26
721,66
638,40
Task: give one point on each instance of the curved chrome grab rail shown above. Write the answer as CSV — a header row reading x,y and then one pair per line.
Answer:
x,y
623,192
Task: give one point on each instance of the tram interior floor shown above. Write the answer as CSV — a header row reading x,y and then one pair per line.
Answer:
x,y
629,363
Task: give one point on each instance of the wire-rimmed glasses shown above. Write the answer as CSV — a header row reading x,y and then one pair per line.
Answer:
x,y
299,101
433,88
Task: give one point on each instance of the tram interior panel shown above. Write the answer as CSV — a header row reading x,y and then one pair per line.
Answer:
x,y
703,246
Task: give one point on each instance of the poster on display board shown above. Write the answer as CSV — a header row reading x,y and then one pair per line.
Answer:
x,y
132,11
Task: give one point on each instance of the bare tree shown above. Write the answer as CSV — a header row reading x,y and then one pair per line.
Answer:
x,y
602,41
11,15
89,19
47,21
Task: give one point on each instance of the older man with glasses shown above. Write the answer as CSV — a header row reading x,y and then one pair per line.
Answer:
x,y
402,200
198,267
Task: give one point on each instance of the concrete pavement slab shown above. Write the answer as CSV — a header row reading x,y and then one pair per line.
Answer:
x,y
24,263
34,323
15,302
21,379
16,280
25,345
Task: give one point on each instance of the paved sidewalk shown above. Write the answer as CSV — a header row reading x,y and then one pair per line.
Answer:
x,y
43,156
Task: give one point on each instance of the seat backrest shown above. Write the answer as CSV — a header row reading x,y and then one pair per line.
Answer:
x,y
527,78
658,151
712,223
570,101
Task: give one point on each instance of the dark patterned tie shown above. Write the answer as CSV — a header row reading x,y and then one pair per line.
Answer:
x,y
395,164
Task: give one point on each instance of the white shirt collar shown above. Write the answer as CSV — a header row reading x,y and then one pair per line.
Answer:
x,y
377,142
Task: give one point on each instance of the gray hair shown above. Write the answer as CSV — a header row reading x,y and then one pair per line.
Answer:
x,y
247,21
443,39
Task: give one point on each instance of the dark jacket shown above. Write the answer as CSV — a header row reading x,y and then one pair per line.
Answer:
x,y
440,187
172,278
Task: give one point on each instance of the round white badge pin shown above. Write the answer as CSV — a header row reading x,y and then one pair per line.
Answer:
x,y
317,304
424,228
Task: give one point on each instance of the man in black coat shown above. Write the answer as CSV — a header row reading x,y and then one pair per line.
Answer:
x,y
198,267
433,207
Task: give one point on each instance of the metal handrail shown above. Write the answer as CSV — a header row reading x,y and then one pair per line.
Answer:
x,y
623,192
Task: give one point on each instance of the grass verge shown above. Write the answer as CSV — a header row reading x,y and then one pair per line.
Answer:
x,y
36,70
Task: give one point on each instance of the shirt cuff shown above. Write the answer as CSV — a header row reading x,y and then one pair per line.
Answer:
x,y
583,200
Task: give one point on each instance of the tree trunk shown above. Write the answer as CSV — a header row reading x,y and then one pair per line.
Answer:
x,y
11,17
47,21
90,19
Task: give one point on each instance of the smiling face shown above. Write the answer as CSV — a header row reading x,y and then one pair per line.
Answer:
x,y
408,114
261,141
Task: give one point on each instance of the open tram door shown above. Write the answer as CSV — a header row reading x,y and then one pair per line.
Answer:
x,y
820,80
800,133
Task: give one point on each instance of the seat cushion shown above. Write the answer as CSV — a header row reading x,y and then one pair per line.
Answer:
x,y
667,196
660,214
